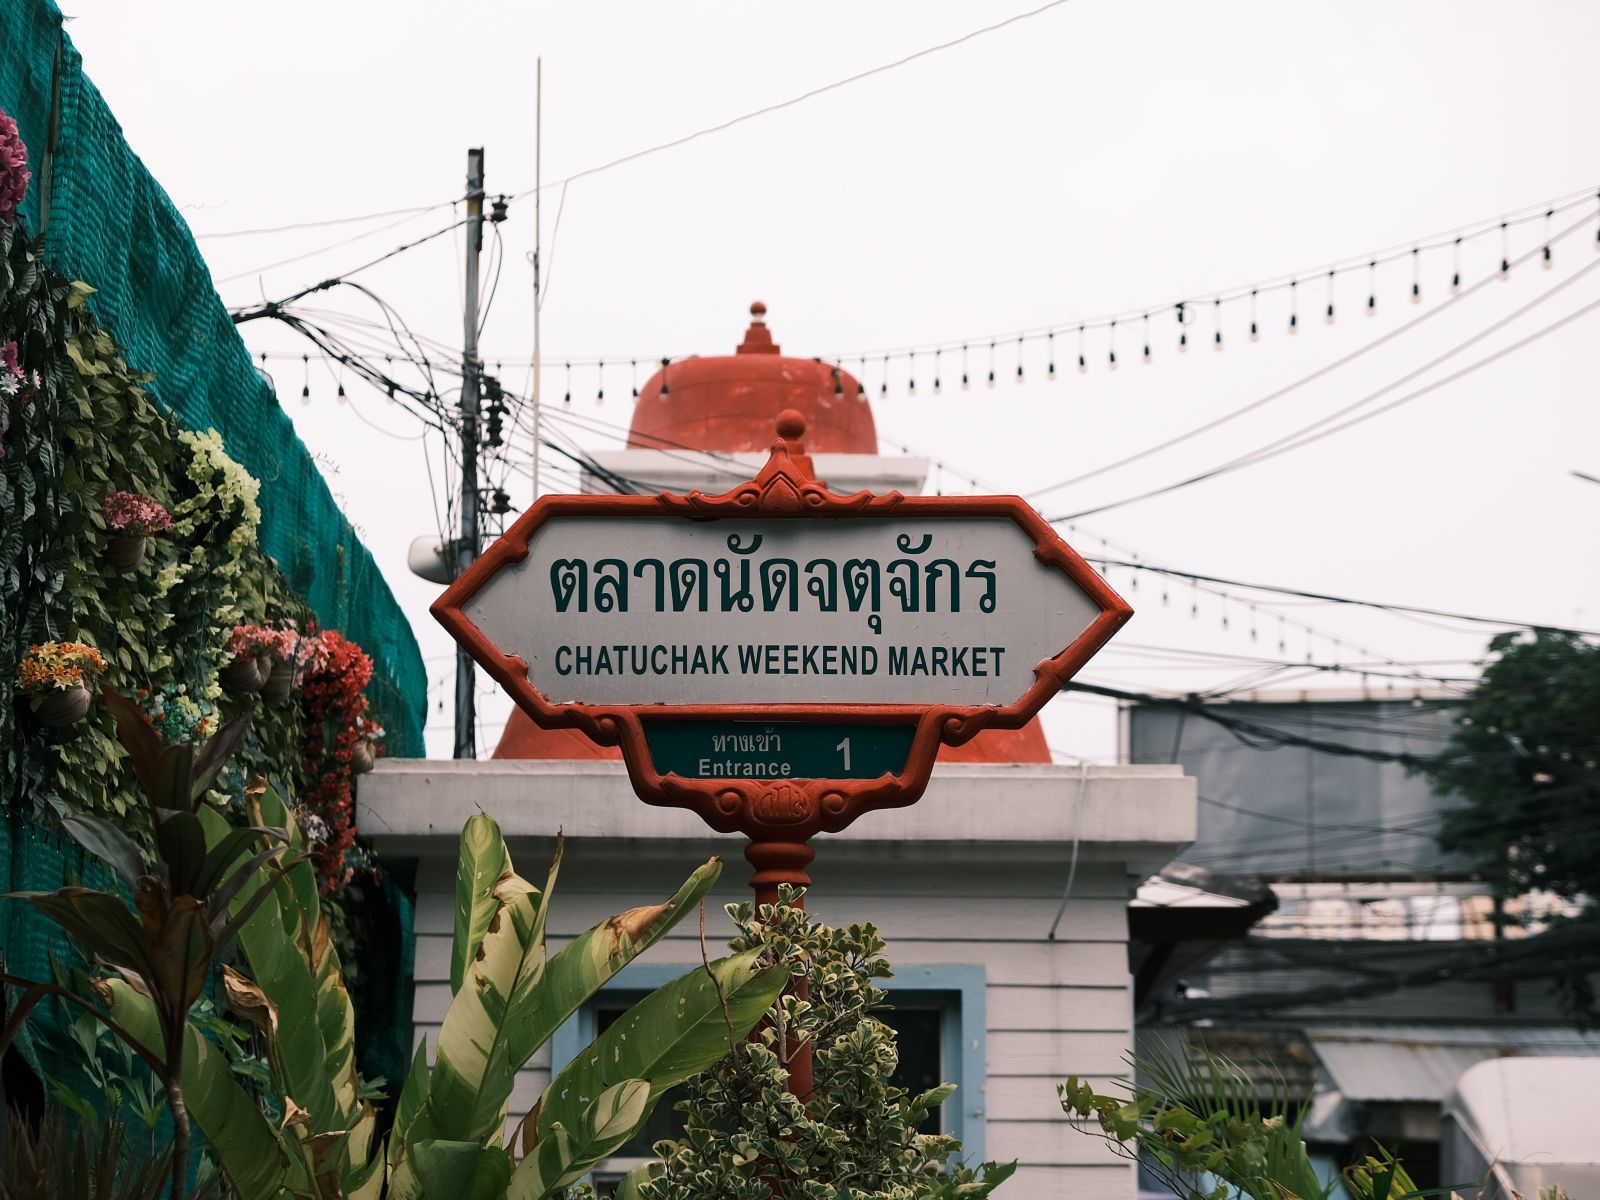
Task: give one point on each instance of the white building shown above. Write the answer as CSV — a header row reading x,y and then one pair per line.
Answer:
x,y
1004,893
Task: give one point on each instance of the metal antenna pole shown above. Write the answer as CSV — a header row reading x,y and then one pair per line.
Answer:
x,y
538,246
467,546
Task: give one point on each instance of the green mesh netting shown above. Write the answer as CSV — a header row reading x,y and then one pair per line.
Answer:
x,y
106,221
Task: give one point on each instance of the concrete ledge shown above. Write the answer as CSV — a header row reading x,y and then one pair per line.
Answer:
x,y
1137,814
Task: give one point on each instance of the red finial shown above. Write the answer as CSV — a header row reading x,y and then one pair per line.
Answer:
x,y
791,425
758,339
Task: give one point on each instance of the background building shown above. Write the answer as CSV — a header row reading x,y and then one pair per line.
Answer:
x,y
1003,893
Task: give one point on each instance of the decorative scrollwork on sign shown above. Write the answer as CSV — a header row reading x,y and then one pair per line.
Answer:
x,y
784,804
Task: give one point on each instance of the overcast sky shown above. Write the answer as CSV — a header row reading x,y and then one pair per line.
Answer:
x,y
1093,158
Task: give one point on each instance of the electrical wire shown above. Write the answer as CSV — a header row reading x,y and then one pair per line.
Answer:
x,y
1305,435
1331,599
1312,377
768,109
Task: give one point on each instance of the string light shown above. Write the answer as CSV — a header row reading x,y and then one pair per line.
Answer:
x,y
1111,343
1019,360
991,364
1050,371
883,382
963,366
1545,257
634,366
911,378
600,384
1372,288
305,387
1505,251
1083,363
936,356
567,399
1216,313
664,363
1329,317
1294,306
1416,274
1255,328
1146,319
1455,276
838,383
1183,332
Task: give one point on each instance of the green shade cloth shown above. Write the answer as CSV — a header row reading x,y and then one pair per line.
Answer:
x,y
107,222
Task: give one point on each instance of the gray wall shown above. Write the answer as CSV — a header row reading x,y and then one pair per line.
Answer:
x,y
1293,811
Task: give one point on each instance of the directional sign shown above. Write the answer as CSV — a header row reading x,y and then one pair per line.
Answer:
x,y
784,750
780,657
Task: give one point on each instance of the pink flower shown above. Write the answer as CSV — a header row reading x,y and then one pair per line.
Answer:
x,y
14,174
132,513
8,356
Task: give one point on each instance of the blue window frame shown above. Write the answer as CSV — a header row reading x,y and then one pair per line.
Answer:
x,y
956,993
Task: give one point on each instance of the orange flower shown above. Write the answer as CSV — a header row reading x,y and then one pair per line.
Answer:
x,y
58,666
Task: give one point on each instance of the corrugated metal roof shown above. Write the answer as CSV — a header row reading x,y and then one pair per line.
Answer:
x,y
1398,1063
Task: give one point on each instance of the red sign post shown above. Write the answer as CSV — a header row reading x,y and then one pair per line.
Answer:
x,y
724,642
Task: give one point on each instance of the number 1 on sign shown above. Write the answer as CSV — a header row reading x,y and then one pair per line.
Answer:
x,y
845,747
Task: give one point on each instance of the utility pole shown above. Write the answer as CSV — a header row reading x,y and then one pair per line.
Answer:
x,y
467,546
538,250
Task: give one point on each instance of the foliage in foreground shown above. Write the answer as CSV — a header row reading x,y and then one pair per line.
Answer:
x,y
1196,1122
855,1137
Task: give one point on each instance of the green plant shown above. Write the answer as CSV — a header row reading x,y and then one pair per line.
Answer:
x,y
509,999
65,1160
184,908
1196,1121
746,1137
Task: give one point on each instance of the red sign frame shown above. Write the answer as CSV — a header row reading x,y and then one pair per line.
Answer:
x,y
788,811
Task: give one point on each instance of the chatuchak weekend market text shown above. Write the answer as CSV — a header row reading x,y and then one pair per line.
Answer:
x,y
778,659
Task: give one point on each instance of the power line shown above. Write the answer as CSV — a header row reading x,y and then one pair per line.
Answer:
x,y
1305,435
801,98
1331,599
372,216
1321,371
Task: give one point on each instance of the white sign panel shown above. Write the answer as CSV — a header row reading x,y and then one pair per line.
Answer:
x,y
890,610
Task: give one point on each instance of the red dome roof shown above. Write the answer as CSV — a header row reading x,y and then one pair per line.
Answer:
x,y
729,403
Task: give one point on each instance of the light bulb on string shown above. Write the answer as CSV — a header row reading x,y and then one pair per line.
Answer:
x,y
1083,362
964,384
1183,332
1223,596
567,399
838,384
1505,250
600,383
1545,261
1050,370
1283,642
937,354
1372,288
1254,636
991,364
664,363
1329,316
911,374
305,386
1216,313
883,383
1597,228
1294,306
1255,328
1019,360
861,379
1416,274
1111,346
633,364
1455,277
1194,598
1146,320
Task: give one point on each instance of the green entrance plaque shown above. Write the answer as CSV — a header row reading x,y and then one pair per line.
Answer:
x,y
781,750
